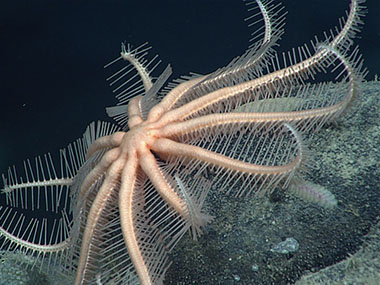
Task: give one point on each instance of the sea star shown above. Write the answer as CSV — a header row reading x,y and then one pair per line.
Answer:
x,y
136,189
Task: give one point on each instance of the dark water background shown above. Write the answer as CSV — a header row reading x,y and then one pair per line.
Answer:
x,y
52,81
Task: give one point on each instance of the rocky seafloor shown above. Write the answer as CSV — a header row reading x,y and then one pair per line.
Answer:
x,y
236,248
334,246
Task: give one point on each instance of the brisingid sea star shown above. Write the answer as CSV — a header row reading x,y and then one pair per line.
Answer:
x,y
135,189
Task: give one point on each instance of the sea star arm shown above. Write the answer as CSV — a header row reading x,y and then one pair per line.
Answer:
x,y
98,171
167,146
325,55
143,236
133,58
105,142
307,118
259,167
149,166
88,246
128,175
178,199
257,55
26,246
325,112
171,98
